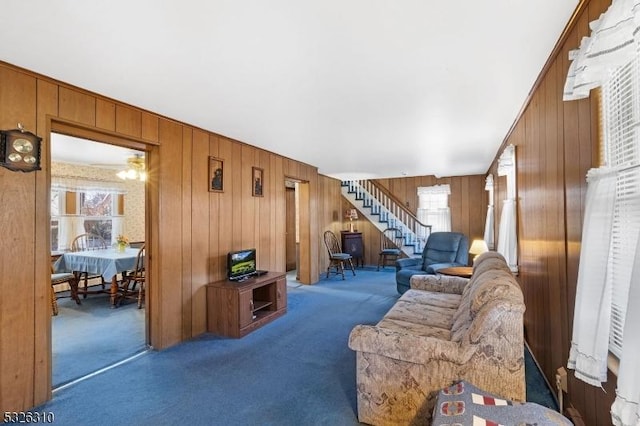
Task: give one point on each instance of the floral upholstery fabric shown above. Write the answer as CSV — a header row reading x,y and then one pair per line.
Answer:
x,y
471,330
439,283
423,313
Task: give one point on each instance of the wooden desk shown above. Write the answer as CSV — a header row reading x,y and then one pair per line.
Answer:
x,y
457,271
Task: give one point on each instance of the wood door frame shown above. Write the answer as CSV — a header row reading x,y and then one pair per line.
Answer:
x,y
303,191
288,249
69,128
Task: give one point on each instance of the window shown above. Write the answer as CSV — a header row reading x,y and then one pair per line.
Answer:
x,y
96,207
433,207
507,231
96,203
621,118
94,213
488,224
55,213
607,315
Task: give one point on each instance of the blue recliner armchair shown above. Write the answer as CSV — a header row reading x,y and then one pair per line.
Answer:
x,y
442,250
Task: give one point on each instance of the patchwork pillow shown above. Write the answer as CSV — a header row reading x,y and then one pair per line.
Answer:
x,y
465,404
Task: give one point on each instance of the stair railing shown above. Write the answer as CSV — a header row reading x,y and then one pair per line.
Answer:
x,y
382,201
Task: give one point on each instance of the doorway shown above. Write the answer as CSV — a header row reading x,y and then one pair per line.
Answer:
x,y
298,223
88,197
291,227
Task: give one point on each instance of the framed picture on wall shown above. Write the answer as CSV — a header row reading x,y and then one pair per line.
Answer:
x,y
257,181
216,174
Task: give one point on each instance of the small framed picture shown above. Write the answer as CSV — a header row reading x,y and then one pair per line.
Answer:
x,y
257,181
216,174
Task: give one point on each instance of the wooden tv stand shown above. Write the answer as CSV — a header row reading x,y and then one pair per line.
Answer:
x,y
236,308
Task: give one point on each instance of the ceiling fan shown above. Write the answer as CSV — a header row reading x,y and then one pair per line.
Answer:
x,y
135,169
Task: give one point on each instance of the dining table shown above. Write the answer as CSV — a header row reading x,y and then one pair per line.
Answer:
x,y
105,262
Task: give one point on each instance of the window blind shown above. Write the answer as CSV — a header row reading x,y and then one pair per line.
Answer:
x,y
621,116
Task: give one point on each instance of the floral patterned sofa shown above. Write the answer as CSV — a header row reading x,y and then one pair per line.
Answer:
x,y
443,330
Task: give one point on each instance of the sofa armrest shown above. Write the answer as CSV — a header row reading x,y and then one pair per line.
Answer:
x,y
439,283
409,262
407,347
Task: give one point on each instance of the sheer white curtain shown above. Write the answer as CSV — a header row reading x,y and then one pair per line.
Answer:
x,y
433,207
592,315
117,228
613,44
625,409
488,224
507,231
614,40
69,226
71,184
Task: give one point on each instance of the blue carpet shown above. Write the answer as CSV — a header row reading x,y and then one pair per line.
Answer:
x,y
92,336
537,389
297,370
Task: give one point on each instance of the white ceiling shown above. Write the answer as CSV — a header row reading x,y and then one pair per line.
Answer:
x,y
359,88
68,149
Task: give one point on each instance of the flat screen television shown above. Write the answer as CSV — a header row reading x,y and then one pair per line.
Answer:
x,y
241,264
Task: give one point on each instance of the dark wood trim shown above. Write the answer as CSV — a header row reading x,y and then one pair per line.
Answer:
x,y
71,128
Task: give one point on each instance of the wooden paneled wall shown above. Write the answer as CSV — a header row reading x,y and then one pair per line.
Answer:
x,y
556,144
468,200
330,214
189,229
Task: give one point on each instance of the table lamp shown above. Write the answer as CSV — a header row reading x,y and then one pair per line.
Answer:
x,y
478,247
351,214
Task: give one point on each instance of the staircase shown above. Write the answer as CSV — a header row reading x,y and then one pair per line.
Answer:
x,y
383,211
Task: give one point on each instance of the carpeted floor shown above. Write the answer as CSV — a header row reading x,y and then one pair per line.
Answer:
x,y
92,336
296,370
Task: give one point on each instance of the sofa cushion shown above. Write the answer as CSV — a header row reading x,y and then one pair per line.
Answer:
x,y
461,320
422,313
493,285
413,328
431,316
476,288
445,300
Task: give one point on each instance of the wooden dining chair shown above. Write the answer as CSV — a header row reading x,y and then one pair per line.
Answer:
x,y
337,258
390,242
84,242
133,283
62,278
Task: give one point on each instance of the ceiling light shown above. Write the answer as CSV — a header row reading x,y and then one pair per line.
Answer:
x,y
135,169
